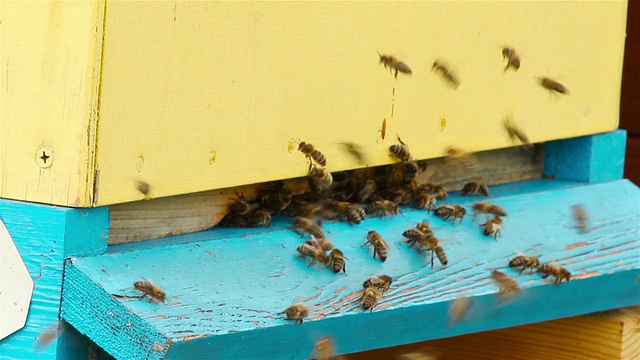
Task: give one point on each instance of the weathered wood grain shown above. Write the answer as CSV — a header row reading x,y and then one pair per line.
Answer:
x,y
175,215
224,294
609,335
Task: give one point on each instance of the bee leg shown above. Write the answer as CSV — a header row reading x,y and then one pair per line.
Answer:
x,y
432,259
396,74
375,252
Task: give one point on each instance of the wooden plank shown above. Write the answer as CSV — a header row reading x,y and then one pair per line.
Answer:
x,y
225,286
207,95
609,335
44,237
143,220
50,75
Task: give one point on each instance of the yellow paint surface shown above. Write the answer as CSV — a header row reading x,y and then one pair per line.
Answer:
x,y
205,95
49,57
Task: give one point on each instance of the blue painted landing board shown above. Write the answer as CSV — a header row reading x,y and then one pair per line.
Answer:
x,y
223,295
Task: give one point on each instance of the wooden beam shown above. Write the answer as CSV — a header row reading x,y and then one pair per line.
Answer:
x,y
609,335
175,215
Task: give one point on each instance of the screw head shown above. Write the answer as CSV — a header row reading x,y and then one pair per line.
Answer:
x,y
44,157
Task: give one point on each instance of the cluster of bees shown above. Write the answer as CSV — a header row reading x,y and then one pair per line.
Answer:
x,y
352,195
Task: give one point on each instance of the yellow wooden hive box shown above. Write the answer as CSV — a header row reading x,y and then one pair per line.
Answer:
x,y
193,96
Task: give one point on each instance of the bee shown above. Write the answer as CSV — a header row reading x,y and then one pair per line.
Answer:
x,y
296,312
507,285
439,191
303,225
320,243
260,217
336,259
315,253
514,132
370,298
50,334
513,60
415,235
355,214
552,85
493,227
319,178
301,208
324,349
312,154
446,74
383,208
424,227
276,197
400,151
431,244
380,245
425,201
400,195
380,282
485,208
367,190
459,309
144,188
580,217
394,64
355,150
446,212
557,271
475,188
240,206
464,159
409,171
524,262
150,289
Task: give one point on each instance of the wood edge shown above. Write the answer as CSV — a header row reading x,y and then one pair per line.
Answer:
x,y
175,215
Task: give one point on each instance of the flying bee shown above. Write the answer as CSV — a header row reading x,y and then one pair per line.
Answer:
x,y
380,245
431,244
524,262
380,282
446,212
320,243
507,285
446,74
485,208
557,271
316,254
513,60
458,309
552,85
580,217
493,227
150,289
303,225
475,188
319,178
425,201
296,312
312,154
383,208
337,261
370,298
394,64
354,150
367,190
260,217
516,133
324,349
464,159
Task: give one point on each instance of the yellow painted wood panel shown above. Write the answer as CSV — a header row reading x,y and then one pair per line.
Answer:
x,y
185,81
49,75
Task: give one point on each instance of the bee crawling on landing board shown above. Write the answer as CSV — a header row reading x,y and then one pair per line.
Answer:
x,y
486,208
303,225
315,253
394,64
150,289
557,271
454,212
474,188
383,208
370,298
380,245
296,312
337,261
524,262
492,227
380,282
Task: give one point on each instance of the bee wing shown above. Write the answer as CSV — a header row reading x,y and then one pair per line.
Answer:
x,y
297,300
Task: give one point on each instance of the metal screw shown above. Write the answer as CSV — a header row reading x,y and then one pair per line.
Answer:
x,y
44,157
